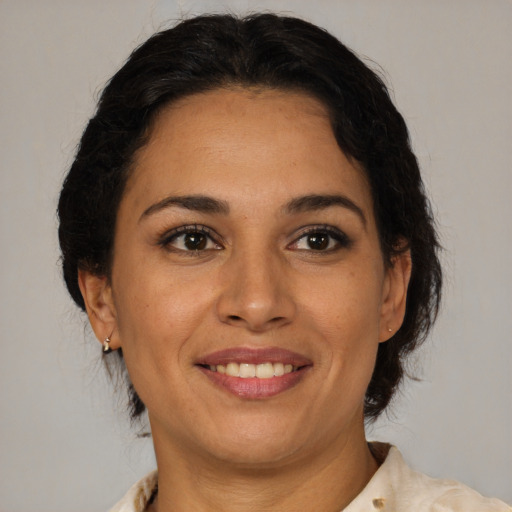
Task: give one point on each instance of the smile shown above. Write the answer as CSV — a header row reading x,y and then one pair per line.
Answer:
x,y
248,370
255,373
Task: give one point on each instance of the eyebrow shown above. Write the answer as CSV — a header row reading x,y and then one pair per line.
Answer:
x,y
320,202
203,204
206,204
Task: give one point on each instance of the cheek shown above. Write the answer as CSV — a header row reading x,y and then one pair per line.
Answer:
x,y
345,311
345,304
156,316
159,308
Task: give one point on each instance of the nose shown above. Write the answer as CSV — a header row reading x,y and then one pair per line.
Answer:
x,y
256,293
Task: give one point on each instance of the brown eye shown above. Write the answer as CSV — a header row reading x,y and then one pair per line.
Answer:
x,y
190,239
318,241
325,239
195,241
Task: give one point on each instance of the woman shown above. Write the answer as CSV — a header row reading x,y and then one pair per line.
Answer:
x,y
245,225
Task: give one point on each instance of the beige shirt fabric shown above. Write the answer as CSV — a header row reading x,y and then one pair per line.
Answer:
x,y
394,488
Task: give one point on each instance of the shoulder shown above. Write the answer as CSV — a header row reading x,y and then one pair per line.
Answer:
x,y
138,496
395,487
439,495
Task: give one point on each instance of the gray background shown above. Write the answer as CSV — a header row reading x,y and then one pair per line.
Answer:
x,y
65,445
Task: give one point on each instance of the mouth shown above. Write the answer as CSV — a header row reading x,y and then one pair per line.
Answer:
x,y
255,373
248,370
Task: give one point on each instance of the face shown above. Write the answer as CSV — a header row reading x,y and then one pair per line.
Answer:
x,y
248,289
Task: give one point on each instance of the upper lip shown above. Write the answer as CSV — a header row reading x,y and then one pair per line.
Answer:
x,y
255,356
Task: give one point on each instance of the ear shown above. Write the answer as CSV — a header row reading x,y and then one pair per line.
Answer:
x,y
99,304
395,295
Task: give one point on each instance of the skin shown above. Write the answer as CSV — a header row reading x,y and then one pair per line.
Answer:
x,y
256,283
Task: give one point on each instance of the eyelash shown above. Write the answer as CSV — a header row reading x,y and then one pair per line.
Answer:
x,y
171,236
340,238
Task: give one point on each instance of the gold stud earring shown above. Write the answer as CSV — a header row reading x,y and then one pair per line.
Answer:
x,y
106,345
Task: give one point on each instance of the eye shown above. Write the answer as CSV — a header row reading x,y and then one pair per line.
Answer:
x,y
190,239
321,239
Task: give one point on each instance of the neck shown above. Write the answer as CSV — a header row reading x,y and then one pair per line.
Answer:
x,y
326,481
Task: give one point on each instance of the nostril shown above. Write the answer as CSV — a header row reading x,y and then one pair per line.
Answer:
x,y
237,319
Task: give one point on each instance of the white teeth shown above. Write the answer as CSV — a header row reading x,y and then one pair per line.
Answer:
x,y
278,369
233,369
249,370
265,371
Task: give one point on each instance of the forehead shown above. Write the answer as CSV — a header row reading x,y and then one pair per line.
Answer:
x,y
229,142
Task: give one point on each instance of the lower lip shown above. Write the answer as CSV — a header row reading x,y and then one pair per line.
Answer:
x,y
254,388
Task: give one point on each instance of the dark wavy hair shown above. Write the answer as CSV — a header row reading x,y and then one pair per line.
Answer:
x,y
266,51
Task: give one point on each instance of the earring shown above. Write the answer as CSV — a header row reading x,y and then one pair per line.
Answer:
x,y
106,345
389,329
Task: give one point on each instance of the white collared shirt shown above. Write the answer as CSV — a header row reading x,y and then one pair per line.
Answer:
x,y
393,488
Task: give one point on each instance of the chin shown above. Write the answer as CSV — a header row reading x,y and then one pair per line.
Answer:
x,y
257,442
